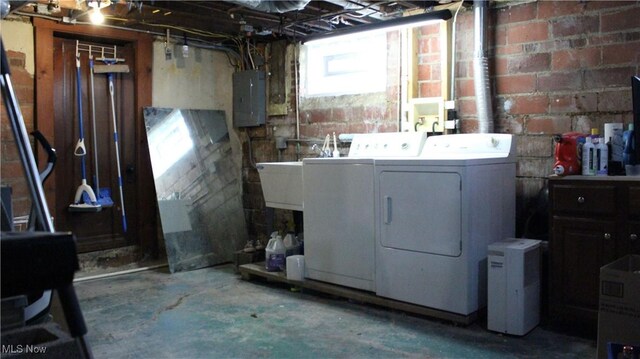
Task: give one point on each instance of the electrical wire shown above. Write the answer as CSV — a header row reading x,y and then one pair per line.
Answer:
x,y
184,29
252,162
253,65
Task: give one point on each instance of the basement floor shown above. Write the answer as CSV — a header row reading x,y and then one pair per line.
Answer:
x,y
213,313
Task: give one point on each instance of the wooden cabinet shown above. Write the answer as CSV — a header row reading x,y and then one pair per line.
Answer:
x,y
593,221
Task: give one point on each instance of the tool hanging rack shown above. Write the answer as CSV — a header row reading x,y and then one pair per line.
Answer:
x,y
101,53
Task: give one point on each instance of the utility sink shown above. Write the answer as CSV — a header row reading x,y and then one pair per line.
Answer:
x,y
282,184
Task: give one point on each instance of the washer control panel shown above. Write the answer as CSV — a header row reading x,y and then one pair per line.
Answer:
x,y
391,144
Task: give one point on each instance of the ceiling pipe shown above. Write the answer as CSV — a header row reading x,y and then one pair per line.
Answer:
x,y
481,68
401,21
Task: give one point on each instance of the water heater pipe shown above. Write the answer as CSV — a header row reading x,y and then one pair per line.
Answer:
x,y
481,68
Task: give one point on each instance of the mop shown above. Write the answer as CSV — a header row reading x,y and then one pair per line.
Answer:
x,y
110,68
103,195
92,204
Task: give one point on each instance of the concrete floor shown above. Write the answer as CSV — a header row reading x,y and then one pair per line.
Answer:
x,y
212,313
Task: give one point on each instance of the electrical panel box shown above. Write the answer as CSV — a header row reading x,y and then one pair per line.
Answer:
x,y
249,98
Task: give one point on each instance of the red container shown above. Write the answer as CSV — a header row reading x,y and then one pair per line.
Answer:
x,y
567,154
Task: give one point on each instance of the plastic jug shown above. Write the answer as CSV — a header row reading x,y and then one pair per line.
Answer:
x,y
566,154
275,254
291,244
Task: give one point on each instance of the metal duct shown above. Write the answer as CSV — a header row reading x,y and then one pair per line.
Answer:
x,y
481,68
271,6
360,7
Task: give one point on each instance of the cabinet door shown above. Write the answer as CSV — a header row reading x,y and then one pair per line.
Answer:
x,y
579,248
631,239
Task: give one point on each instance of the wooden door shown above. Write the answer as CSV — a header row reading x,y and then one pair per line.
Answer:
x,y
104,229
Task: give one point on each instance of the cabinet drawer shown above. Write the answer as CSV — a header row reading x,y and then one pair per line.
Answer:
x,y
585,199
634,202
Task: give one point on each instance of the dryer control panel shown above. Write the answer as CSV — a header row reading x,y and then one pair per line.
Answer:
x,y
470,146
391,144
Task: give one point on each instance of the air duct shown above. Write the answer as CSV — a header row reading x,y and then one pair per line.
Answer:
x,y
271,6
360,7
481,67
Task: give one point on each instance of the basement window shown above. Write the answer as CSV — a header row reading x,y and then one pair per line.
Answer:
x,y
350,64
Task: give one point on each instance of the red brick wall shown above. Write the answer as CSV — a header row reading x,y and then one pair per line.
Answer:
x,y
556,66
429,64
11,172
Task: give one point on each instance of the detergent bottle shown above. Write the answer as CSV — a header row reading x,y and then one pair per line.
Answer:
x,y
602,151
628,155
588,156
275,254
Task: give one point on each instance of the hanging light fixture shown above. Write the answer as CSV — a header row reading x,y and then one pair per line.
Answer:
x,y
96,15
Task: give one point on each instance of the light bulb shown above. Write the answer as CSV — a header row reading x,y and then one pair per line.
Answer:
x,y
96,16
185,50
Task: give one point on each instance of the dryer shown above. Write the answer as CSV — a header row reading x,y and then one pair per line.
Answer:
x,y
436,216
339,217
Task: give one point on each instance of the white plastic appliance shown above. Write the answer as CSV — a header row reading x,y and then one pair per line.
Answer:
x,y
281,184
339,217
437,215
514,286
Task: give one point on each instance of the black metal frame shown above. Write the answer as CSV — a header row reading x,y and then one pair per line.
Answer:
x,y
39,260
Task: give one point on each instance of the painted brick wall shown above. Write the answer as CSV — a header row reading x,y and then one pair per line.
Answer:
x,y
556,66
11,171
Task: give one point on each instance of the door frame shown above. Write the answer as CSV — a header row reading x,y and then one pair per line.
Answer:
x,y
45,30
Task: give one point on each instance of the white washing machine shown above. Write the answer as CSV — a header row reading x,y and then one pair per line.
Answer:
x,y
437,215
339,216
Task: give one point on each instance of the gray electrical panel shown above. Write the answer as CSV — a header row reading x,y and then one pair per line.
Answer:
x,y
249,98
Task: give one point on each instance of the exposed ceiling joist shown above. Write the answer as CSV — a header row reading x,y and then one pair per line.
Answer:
x,y
235,18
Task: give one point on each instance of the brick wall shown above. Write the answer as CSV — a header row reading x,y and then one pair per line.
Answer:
x,y
429,64
10,167
556,66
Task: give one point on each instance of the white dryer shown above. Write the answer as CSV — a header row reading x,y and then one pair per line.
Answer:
x,y
339,216
437,214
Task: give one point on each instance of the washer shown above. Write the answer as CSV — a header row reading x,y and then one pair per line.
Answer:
x,y
339,215
437,214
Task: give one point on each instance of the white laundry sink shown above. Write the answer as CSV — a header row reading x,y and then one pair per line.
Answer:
x,y
282,184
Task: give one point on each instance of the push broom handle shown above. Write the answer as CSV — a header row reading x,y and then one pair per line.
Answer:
x,y
115,139
96,181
